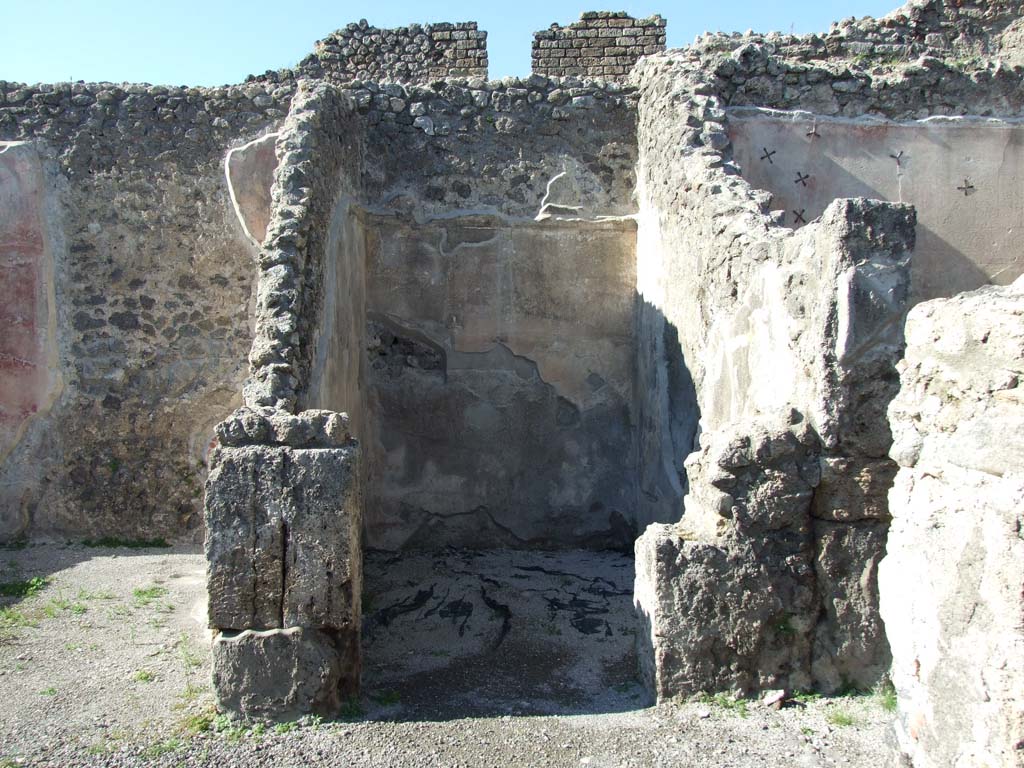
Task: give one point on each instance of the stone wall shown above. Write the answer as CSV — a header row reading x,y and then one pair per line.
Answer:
x,y
407,54
147,284
951,578
602,44
811,73
960,36
319,161
419,53
712,259
816,314
510,147
949,28
283,504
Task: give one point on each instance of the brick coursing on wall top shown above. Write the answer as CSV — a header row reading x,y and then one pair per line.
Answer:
x,y
602,44
418,53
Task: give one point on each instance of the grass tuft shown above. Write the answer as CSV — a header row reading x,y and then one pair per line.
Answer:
x,y
143,596
351,710
726,702
199,722
22,588
885,691
840,718
165,747
191,658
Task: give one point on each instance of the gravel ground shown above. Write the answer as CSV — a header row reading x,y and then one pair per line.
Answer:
x,y
107,665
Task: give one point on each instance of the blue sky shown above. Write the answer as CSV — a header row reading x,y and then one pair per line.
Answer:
x,y
188,42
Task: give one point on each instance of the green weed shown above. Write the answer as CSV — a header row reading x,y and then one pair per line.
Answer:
x,y
167,746
840,718
805,697
226,727
143,596
189,655
22,588
191,692
387,698
351,710
11,618
143,676
199,722
84,594
51,691
726,702
885,691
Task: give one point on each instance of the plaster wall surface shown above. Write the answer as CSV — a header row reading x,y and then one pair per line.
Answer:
x,y
250,174
30,374
337,376
965,177
501,375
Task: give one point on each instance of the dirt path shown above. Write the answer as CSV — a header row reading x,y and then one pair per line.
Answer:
x,y
106,664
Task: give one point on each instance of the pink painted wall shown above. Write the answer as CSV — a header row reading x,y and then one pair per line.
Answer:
x,y
23,304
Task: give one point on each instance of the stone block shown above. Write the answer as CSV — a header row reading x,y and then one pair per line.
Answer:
x,y
726,598
850,648
854,489
283,537
951,579
283,674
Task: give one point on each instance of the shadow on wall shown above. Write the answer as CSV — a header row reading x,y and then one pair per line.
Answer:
x,y
958,173
518,388
668,418
479,450
940,267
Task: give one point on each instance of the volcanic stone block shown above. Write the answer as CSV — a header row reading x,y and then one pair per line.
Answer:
x,y
726,597
282,541
282,674
850,648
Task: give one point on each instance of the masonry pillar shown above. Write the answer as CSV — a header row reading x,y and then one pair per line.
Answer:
x,y
283,521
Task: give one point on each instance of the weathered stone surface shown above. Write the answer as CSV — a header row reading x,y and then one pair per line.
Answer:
x,y
283,674
951,580
726,598
283,537
417,53
767,319
850,648
602,44
30,372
